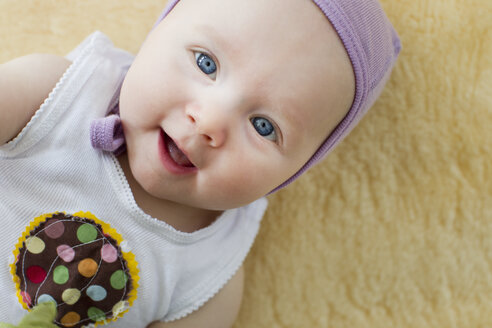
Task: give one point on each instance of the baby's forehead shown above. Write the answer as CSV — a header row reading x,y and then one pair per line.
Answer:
x,y
254,27
287,19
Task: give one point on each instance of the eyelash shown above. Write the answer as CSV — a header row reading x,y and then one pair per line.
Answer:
x,y
275,130
202,56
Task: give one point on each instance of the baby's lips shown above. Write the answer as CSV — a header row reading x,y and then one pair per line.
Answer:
x,y
178,155
181,155
190,148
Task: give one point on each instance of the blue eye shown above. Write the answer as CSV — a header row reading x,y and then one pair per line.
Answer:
x,y
206,64
264,128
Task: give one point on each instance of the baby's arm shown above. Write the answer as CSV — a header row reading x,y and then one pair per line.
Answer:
x,y
219,312
24,84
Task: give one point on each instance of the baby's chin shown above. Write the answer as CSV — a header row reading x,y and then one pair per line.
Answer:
x,y
211,201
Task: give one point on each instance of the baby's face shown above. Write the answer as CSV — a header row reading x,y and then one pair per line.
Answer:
x,y
248,90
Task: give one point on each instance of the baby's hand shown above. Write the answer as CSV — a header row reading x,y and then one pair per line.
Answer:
x,y
41,316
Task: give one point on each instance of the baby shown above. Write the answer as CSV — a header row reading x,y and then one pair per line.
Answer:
x,y
226,102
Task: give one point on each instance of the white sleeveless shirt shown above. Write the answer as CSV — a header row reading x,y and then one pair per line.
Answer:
x,y
51,167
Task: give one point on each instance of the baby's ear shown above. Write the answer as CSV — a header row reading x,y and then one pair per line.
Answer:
x,y
41,316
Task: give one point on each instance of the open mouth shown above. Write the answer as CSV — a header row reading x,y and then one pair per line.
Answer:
x,y
172,157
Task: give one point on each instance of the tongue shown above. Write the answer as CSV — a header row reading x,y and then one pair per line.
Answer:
x,y
177,155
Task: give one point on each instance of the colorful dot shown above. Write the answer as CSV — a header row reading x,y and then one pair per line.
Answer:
x,y
109,253
35,245
66,253
96,314
118,279
70,319
45,298
60,275
54,229
26,298
125,247
36,274
86,233
96,293
71,296
87,267
120,307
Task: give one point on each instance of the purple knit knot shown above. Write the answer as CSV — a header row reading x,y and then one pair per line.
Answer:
x,y
107,134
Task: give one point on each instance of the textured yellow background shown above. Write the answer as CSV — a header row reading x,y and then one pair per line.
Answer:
x,y
394,229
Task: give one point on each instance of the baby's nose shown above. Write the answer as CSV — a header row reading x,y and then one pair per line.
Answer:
x,y
210,125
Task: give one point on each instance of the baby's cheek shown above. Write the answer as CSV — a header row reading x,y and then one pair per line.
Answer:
x,y
250,182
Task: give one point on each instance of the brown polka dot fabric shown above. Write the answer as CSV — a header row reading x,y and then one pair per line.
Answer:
x,y
72,262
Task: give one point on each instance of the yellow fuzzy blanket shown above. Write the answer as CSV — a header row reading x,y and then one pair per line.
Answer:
x,y
394,229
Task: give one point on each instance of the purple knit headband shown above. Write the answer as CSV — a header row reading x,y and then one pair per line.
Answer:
x,y
372,45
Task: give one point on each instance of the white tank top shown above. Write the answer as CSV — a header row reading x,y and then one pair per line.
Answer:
x,y
51,167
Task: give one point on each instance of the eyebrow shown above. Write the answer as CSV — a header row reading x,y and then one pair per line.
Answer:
x,y
291,117
210,32
291,112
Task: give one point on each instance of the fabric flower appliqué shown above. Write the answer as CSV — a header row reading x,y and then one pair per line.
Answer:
x,y
77,262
